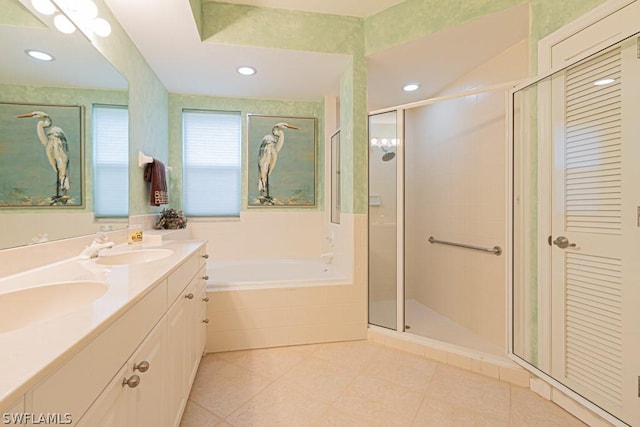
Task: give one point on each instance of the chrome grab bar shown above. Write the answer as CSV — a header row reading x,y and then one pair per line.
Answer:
x,y
496,250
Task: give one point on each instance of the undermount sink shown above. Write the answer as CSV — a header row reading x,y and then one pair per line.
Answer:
x,y
133,257
24,307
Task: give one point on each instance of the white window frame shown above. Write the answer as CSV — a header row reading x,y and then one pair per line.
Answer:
x,y
114,157
212,163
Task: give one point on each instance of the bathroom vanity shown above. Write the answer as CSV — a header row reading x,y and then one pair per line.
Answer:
x,y
124,354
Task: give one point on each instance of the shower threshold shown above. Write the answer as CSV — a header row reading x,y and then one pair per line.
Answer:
x,y
427,323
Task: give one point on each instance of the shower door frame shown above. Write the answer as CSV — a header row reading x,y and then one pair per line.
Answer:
x,y
400,318
400,307
545,71
400,202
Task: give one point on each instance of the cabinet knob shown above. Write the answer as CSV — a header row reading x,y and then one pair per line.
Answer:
x,y
205,321
189,296
205,277
142,366
205,256
205,299
133,381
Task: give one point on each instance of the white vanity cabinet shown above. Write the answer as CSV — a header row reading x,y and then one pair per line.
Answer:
x,y
201,321
136,394
16,409
185,343
74,386
138,371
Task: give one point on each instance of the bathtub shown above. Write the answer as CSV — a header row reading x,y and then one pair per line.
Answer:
x,y
231,275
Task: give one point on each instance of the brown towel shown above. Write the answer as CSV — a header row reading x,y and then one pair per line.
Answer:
x,y
155,174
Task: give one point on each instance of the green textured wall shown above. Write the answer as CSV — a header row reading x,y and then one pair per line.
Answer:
x,y
413,19
148,107
419,18
68,96
177,103
278,28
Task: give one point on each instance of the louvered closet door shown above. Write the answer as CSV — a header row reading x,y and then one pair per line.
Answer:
x,y
596,182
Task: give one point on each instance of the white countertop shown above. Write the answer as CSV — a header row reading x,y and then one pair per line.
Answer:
x,y
30,353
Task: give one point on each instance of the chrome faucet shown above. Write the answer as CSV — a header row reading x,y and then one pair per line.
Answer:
x,y
99,243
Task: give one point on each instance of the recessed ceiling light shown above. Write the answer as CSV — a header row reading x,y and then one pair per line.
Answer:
x,y
603,82
37,54
410,87
246,71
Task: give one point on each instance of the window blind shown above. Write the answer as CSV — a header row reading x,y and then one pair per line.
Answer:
x,y
211,143
110,160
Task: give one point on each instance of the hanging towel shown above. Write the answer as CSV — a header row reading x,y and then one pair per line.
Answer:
x,y
155,174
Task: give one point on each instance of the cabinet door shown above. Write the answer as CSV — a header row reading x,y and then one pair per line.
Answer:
x,y
16,409
146,404
196,328
110,409
201,322
177,318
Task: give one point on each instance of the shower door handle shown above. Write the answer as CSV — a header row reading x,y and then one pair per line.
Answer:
x,y
562,242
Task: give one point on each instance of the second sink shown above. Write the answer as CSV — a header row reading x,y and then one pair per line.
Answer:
x,y
24,307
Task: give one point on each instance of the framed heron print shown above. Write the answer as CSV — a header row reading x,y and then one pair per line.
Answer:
x,y
281,161
41,155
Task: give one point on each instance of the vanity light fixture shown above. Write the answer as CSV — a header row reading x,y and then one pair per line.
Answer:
x,y
38,54
63,24
410,87
603,82
45,7
246,70
101,27
83,13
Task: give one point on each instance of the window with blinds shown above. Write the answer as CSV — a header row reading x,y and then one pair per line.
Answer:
x,y
110,161
211,163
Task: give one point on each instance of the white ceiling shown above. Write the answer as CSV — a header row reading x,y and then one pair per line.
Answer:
x,y
187,65
168,38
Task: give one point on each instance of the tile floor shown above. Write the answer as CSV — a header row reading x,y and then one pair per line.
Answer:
x,y
355,384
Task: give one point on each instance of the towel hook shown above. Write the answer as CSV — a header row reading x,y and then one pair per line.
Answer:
x,y
143,159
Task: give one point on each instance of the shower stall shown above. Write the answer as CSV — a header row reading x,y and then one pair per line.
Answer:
x,y
437,220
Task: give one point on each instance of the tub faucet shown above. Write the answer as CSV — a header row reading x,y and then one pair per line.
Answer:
x,y
99,243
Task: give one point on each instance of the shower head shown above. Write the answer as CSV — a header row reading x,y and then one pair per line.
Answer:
x,y
388,155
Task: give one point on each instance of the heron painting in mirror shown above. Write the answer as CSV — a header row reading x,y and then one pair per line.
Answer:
x,y
31,175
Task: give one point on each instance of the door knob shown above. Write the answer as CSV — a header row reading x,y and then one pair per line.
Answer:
x,y
562,242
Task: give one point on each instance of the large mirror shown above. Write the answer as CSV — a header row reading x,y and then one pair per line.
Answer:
x,y
78,76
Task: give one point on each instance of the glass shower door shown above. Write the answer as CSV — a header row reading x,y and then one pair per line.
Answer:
x,y
383,220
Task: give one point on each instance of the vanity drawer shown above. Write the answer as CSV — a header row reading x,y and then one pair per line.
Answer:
x,y
73,387
181,277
